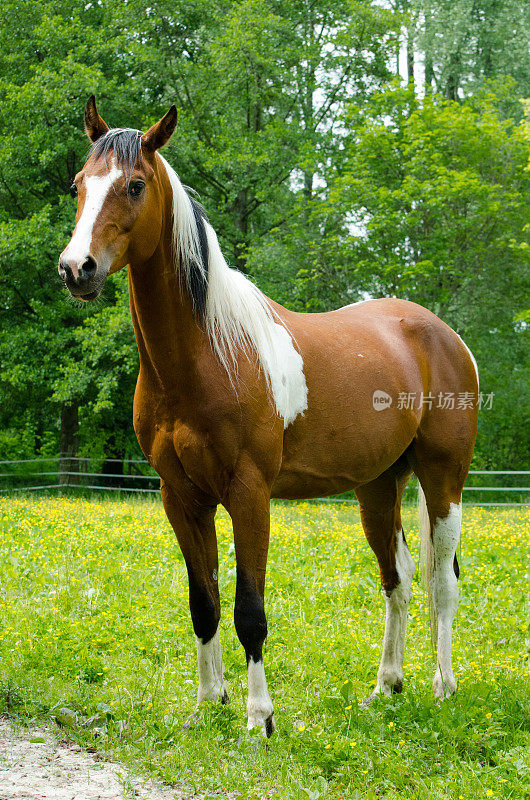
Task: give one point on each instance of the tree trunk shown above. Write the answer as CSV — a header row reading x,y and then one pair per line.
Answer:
x,y
69,444
410,56
113,468
429,73
453,78
429,63
308,184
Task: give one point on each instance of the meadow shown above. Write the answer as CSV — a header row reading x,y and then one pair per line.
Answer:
x,y
94,618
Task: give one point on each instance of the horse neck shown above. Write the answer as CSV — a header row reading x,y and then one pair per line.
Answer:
x,y
168,337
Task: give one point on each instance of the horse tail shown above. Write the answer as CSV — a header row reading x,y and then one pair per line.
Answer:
x,y
427,559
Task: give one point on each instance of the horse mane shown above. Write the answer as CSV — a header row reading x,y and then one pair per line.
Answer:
x,y
232,310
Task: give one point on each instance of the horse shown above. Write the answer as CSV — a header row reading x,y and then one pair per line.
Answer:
x,y
239,400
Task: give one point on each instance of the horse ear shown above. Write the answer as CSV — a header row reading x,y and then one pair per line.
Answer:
x,y
95,126
161,132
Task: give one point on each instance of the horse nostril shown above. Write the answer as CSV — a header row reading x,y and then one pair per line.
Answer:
x,y
65,271
89,267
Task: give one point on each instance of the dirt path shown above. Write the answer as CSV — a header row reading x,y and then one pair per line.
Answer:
x,y
34,766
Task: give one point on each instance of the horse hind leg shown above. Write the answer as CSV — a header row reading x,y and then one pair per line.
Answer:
x,y
441,493
446,535
381,518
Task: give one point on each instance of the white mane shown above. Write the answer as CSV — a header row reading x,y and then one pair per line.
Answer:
x,y
238,317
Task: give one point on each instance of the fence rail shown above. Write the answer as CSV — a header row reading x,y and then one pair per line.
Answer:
x,y
135,475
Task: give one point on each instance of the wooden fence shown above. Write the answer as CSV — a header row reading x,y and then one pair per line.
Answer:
x,y
135,476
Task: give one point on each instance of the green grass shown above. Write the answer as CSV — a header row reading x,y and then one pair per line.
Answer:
x,y
94,617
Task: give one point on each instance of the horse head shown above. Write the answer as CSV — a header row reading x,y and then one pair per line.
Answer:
x,y
119,202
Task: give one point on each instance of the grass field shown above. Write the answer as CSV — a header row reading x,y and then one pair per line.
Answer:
x,y
94,617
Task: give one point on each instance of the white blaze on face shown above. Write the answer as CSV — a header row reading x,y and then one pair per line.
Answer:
x,y
97,188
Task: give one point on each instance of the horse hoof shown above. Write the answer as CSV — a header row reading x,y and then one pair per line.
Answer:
x,y
443,689
270,726
367,702
383,689
267,724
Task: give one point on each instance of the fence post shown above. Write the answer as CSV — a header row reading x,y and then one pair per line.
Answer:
x,y
69,444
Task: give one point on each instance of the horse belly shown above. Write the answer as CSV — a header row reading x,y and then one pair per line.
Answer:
x,y
346,437
334,460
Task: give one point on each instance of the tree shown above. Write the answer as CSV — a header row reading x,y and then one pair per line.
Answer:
x,y
43,85
322,184
259,90
469,42
438,196
252,128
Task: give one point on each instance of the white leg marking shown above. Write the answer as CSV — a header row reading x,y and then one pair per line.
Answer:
x,y
211,673
259,707
446,535
97,188
390,673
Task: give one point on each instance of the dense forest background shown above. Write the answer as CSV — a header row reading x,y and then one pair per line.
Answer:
x,y
343,149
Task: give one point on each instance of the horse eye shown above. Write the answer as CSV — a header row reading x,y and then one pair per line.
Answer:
x,y
136,188
73,190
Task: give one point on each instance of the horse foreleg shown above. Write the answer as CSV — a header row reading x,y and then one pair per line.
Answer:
x,y
198,542
249,508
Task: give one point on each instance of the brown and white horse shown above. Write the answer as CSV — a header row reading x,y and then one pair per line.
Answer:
x,y
239,400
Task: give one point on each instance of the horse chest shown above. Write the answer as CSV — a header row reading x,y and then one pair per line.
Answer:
x,y
180,452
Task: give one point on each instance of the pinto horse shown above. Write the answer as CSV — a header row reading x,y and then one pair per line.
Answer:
x,y
239,400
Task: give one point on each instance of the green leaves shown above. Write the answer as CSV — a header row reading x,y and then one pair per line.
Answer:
x,y
438,198
325,180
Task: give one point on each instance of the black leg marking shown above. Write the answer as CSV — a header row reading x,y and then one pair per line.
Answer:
x,y
205,613
456,567
249,618
269,726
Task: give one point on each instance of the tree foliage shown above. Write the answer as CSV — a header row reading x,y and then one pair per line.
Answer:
x,y
326,178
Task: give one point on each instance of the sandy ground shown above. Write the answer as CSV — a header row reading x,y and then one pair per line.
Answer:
x,y
34,766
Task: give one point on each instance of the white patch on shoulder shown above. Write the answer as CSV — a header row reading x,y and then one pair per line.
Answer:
x,y
97,188
472,358
285,368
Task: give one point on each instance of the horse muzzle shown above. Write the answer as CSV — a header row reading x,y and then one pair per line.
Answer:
x,y
83,280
